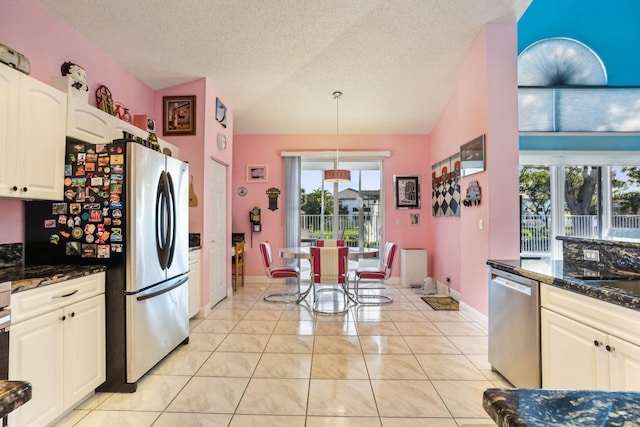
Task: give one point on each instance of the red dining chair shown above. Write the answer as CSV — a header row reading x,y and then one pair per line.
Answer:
x,y
285,272
329,274
329,243
369,274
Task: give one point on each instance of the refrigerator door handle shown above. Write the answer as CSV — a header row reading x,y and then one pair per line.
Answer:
x,y
171,214
163,290
161,221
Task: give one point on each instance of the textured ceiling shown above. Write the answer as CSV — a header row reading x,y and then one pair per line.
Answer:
x,y
276,62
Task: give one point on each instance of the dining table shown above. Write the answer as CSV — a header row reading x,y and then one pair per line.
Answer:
x,y
304,252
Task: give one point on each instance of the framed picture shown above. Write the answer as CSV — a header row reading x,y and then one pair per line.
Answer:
x,y
179,115
472,156
221,113
407,191
257,173
414,219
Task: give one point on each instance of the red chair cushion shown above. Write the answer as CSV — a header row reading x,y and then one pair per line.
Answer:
x,y
364,273
284,272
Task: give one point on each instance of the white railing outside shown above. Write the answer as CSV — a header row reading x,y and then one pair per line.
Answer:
x,y
321,227
535,229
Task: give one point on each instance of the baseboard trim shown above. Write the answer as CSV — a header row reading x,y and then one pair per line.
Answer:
x,y
476,316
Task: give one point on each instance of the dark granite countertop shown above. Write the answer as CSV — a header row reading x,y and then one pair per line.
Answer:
x,y
543,407
13,394
557,274
23,278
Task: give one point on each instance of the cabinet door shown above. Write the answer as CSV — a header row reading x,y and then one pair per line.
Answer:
x,y
624,362
194,283
9,82
84,349
41,140
570,356
89,124
35,355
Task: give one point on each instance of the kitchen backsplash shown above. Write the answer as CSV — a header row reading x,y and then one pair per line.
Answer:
x,y
10,254
616,257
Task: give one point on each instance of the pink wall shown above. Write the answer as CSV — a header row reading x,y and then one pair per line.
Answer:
x,y
485,103
409,156
47,42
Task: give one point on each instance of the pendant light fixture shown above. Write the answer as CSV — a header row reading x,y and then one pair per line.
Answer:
x,y
337,175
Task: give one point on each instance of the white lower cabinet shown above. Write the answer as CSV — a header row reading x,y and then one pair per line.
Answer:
x,y
61,352
624,365
570,359
580,346
194,282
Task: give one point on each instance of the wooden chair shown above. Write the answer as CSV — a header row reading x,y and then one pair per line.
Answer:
x,y
329,268
286,272
375,275
330,243
237,264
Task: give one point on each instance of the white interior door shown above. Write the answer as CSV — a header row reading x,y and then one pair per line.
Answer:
x,y
218,238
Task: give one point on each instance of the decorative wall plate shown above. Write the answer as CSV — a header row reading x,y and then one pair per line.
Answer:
x,y
242,191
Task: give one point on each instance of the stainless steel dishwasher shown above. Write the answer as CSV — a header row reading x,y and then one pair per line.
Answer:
x,y
514,328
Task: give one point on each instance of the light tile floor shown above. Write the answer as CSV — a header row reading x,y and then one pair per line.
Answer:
x,y
253,363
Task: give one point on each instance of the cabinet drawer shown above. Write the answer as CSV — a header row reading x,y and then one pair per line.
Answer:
x,y
607,317
27,304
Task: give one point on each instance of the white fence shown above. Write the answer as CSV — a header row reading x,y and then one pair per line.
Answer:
x,y
321,227
535,229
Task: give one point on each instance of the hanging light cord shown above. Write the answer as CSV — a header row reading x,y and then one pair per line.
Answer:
x,y
337,95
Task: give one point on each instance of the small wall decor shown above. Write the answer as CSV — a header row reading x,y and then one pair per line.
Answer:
x,y
445,187
472,156
414,218
193,198
105,100
179,115
122,112
77,74
407,191
273,194
257,173
221,113
14,59
473,194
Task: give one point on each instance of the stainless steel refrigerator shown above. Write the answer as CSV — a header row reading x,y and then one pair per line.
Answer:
x,y
125,206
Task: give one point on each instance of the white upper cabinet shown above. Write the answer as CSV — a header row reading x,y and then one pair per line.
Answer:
x,y
89,124
32,137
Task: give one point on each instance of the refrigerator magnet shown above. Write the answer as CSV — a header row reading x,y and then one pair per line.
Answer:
x,y
73,248
76,233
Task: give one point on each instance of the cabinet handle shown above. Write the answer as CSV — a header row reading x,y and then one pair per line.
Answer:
x,y
14,188
24,189
597,343
65,295
610,348
73,314
63,318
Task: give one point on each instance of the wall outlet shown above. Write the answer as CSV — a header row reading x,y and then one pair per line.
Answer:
x,y
591,254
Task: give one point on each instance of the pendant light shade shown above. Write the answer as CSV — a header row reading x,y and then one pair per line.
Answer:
x,y
337,175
